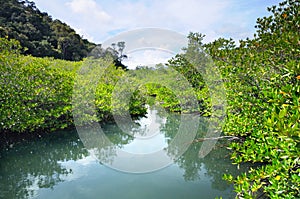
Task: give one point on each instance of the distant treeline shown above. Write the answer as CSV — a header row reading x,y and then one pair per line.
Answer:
x,y
39,34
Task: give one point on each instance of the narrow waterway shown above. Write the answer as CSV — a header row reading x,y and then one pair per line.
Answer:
x,y
60,166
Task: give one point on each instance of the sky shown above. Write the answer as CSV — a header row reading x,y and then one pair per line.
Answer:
x,y
99,20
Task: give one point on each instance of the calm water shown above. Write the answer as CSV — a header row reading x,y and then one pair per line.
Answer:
x,y
60,166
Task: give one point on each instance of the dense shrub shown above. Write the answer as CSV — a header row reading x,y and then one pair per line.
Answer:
x,y
36,93
262,77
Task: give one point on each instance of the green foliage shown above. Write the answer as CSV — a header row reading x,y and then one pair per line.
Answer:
x,y
262,78
38,34
93,96
36,93
169,88
179,86
115,53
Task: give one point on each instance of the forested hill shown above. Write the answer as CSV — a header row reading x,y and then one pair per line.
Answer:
x,y
38,33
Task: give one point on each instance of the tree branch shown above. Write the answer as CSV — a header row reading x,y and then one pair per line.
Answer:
x,y
216,138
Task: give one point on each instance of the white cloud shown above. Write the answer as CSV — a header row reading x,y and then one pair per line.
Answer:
x,y
84,34
89,17
235,31
101,19
147,58
89,9
177,15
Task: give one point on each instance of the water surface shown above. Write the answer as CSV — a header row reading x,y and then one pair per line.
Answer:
x,y
60,166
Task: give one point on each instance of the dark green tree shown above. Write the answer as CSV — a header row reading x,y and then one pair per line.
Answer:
x,y
114,52
39,34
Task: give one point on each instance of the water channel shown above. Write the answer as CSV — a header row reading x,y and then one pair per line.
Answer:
x,y
60,166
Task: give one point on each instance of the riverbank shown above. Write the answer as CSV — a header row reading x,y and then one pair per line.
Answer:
x,y
261,78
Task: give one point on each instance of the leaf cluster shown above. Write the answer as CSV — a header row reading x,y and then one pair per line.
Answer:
x,y
263,92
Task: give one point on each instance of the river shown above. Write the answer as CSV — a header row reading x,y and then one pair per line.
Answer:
x,y
59,165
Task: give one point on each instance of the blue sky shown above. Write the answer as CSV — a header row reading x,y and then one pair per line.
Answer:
x,y
98,20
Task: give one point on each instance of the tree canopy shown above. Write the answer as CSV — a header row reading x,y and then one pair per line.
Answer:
x,y
39,34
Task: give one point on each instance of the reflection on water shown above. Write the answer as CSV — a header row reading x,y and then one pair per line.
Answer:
x,y
60,166
148,137
32,165
155,143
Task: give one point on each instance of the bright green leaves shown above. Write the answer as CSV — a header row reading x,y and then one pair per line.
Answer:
x,y
282,113
35,95
262,80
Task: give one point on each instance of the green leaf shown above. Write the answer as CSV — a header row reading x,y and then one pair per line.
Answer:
x,y
282,113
